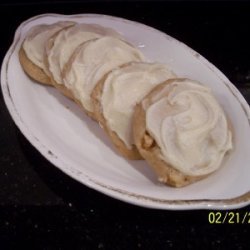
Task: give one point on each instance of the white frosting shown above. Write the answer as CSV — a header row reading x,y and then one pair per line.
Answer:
x,y
123,89
66,41
190,127
34,43
92,61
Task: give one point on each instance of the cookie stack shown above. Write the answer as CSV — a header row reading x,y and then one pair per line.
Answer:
x,y
176,124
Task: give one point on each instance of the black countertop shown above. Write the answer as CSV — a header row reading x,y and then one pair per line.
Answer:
x,y
42,208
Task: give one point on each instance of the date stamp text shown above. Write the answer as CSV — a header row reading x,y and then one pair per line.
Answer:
x,y
226,217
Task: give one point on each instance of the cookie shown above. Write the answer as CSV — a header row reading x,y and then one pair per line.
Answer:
x,y
32,70
116,95
91,61
62,44
182,132
32,51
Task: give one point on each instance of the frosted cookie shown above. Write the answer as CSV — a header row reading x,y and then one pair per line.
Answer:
x,y
32,51
182,131
117,94
91,61
60,47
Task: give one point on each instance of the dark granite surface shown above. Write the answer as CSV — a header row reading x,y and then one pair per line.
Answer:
x,y
42,208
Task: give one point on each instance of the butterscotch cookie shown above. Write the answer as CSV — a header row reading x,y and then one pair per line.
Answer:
x,y
181,131
91,61
116,95
62,44
32,51
32,70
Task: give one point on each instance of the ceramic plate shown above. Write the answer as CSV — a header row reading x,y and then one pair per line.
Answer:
x,y
80,148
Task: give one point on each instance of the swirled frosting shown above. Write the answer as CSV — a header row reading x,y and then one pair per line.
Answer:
x,y
190,127
123,89
66,41
34,43
94,59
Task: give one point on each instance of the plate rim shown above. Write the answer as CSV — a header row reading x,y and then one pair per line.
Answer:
x,y
83,178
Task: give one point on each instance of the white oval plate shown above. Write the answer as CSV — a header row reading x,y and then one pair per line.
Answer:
x,y
78,146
